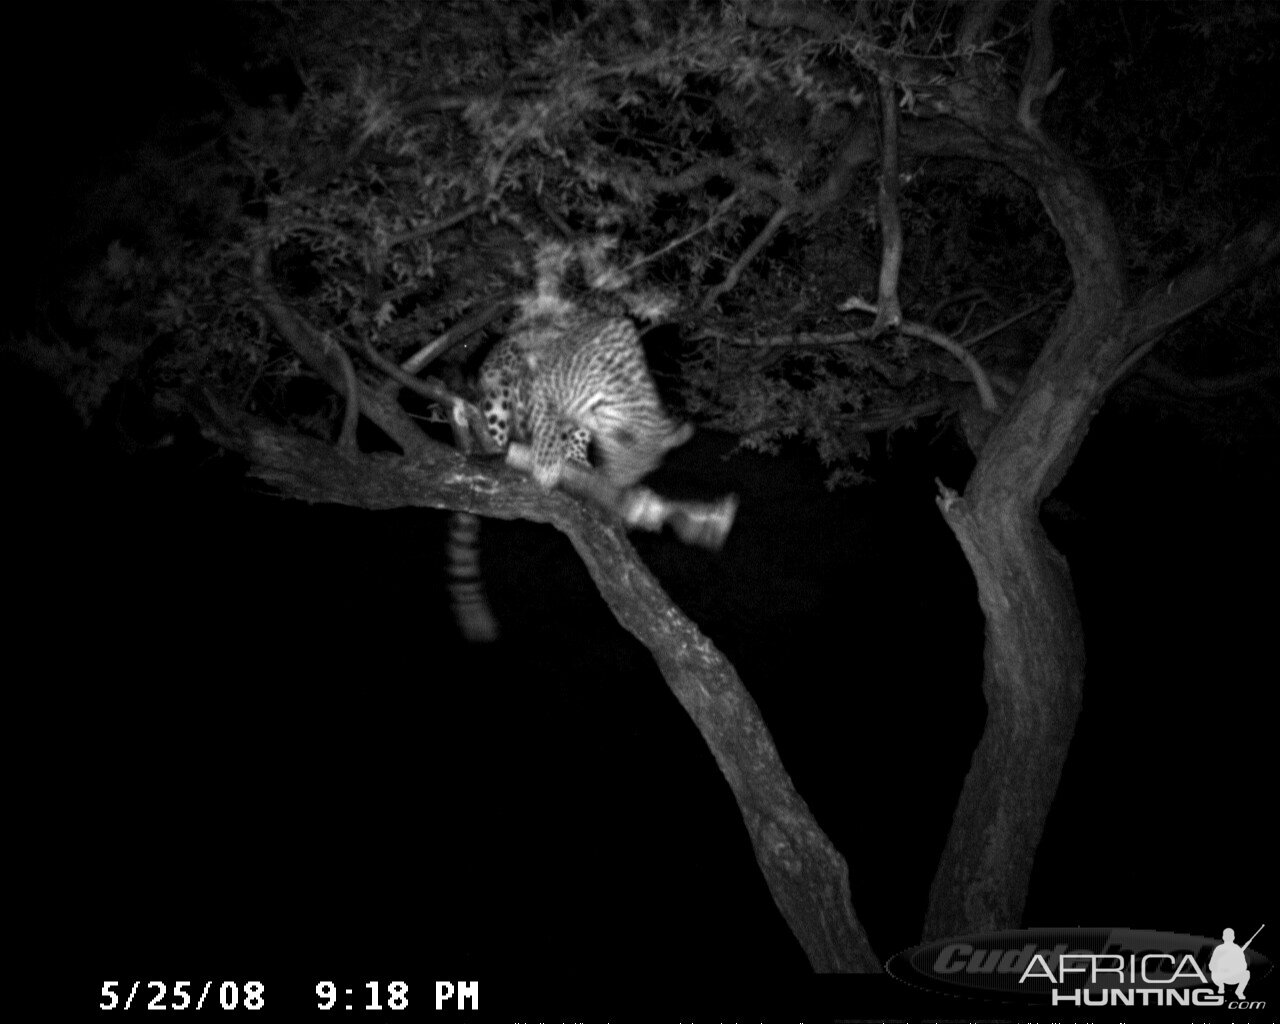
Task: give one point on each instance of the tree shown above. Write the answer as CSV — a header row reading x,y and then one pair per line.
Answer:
x,y
394,180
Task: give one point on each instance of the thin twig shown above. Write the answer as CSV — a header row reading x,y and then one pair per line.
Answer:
x,y
759,242
435,226
351,415
466,326
707,225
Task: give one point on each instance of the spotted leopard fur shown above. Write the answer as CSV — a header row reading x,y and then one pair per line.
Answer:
x,y
565,384
569,381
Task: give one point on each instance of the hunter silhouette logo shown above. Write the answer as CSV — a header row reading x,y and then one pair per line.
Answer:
x,y
1227,966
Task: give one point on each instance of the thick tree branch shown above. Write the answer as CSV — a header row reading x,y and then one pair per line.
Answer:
x,y
702,523
806,875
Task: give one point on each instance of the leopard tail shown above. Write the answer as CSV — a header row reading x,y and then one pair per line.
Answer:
x,y
471,609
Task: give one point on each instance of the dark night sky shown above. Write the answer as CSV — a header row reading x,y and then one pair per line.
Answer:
x,y
269,744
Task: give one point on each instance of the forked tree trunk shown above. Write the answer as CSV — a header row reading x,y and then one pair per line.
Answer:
x,y
1034,658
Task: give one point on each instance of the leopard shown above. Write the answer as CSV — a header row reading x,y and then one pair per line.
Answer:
x,y
565,384
571,384
569,380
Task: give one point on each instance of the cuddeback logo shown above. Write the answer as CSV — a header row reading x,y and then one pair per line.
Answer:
x,y
1088,967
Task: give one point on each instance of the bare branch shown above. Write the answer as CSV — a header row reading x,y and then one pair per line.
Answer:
x,y
980,294
924,332
1037,83
553,215
351,415
1222,386
857,150
465,327
890,310
427,387
957,350
721,167
979,20
436,226
707,225
469,429
887,419
759,242
812,339
1009,321
798,14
